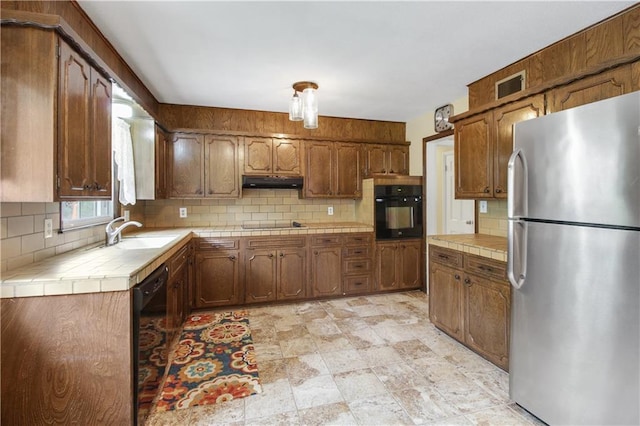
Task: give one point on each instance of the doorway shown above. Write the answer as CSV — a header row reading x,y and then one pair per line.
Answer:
x,y
445,214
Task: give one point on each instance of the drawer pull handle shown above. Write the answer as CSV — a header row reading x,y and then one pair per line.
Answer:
x,y
485,268
358,283
443,256
357,252
360,266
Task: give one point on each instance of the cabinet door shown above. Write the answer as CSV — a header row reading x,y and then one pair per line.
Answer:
x,y
292,273
318,179
399,160
388,257
591,89
411,264
258,156
260,275
446,299
74,125
473,157
217,280
487,311
326,271
186,165
160,164
176,291
504,118
376,160
286,157
222,179
100,145
348,166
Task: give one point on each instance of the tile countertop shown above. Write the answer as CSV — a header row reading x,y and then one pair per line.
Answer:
x,y
95,268
490,246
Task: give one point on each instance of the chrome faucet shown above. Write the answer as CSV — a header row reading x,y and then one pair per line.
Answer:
x,y
113,235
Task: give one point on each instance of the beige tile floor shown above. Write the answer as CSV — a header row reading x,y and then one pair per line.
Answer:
x,y
374,360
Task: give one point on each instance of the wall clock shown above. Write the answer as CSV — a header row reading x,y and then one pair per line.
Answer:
x,y
441,118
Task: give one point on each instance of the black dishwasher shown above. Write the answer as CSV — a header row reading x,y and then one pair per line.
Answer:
x,y
149,340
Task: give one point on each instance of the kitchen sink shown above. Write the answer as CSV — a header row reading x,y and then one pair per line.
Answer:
x,y
139,243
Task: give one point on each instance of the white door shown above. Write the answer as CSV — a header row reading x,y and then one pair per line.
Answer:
x,y
458,215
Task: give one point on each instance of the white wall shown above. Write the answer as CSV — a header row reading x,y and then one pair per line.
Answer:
x,y
421,127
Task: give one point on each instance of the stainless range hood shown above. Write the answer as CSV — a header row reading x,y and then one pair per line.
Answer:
x,y
272,182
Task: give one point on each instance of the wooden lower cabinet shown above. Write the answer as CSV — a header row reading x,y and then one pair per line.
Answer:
x,y
217,273
326,271
399,264
470,300
357,264
178,287
275,269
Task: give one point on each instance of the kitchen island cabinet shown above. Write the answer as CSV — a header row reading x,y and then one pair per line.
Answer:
x,y
470,299
56,138
217,273
67,359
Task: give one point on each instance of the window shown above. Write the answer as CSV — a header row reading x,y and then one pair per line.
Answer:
x,y
79,214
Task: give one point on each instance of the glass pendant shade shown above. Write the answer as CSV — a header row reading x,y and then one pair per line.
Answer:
x,y
295,108
310,108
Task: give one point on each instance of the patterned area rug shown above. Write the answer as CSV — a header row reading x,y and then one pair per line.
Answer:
x,y
213,362
152,361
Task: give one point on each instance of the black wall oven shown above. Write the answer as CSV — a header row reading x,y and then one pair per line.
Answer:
x,y
398,211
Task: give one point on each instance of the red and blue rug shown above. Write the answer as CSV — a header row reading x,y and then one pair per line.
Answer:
x,y
214,362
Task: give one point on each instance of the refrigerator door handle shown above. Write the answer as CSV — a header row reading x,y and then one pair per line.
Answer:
x,y
517,252
517,185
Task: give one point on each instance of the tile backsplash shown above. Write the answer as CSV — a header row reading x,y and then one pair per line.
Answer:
x,y
22,234
494,222
256,205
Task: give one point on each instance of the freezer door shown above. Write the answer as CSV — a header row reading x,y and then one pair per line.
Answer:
x,y
584,163
574,354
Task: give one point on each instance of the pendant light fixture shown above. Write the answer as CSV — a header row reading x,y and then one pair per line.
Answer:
x,y
304,108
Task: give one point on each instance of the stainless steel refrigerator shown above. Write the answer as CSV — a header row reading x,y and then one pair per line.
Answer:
x,y
574,264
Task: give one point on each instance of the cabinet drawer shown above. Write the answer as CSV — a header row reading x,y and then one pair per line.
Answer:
x,y
276,242
217,244
445,256
357,284
484,266
356,252
326,240
179,259
358,240
357,266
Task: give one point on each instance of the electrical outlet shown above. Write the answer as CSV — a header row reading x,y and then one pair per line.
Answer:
x,y
48,228
183,212
483,206
127,215
330,210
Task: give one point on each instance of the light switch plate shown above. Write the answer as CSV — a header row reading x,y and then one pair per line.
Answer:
x,y
127,215
483,206
48,228
183,212
330,210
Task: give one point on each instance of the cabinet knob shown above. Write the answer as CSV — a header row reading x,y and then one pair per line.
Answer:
x,y
232,257
281,254
384,171
498,190
456,276
486,189
270,255
467,281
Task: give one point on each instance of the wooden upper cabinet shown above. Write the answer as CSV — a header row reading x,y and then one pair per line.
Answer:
x,y
286,157
615,82
473,157
635,76
186,166
272,156
203,166
160,163
84,129
318,180
504,118
383,159
222,179
348,165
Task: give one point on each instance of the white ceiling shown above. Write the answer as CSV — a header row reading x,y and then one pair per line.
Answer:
x,y
375,60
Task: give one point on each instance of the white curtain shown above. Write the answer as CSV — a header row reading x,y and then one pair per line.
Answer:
x,y
122,146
